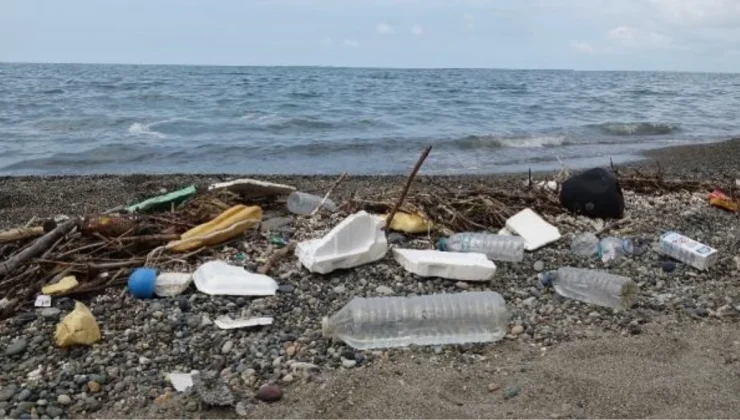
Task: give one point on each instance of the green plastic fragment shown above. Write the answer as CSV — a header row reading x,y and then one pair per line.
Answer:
x,y
163,202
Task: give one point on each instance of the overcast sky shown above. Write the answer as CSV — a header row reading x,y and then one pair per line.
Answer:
x,y
683,35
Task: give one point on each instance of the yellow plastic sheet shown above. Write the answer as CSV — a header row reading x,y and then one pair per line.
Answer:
x,y
409,223
67,283
228,225
77,328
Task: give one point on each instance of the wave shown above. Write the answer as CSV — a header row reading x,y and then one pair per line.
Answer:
x,y
636,128
139,129
525,142
651,92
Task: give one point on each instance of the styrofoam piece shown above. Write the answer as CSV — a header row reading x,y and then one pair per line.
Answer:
x,y
219,278
226,323
533,228
358,239
449,265
505,232
181,381
172,284
253,187
42,301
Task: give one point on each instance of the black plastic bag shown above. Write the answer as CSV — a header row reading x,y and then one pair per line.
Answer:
x,y
593,193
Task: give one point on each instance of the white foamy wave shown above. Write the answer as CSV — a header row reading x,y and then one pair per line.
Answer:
x,y
261,118
533,142
139,129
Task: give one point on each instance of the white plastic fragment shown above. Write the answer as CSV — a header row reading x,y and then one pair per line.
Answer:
x,y
226,323
449,265
533,228
504,231
248,187
42,301
172,284
358,239
219,278
181,381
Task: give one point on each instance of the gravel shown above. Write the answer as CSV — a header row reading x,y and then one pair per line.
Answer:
x,y
144,340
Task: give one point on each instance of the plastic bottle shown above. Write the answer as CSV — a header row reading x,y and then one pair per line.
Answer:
x,y
611,248
383,322
592,286
304,203
496,247
585,244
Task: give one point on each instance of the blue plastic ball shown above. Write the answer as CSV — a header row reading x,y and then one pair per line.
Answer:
x,y
141,282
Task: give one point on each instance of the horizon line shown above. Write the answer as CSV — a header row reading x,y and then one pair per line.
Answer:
x,y
353,67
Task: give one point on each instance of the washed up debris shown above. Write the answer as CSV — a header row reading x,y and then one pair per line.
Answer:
x,y
533,228
409,223
593,193
142,282
172,284
227,323
449,318
163,202
592,286
688,251
719,199
220,278
107,225
253,188
358,239
305,204
230,224
18,234
65,284
181,382
496,247
77,328
448,265
42,301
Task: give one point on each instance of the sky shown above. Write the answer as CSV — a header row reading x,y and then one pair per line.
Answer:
x,y
673,35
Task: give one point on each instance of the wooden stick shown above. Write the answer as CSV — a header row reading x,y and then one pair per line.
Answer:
x,y
41,244
613,224
328,193
405,191
17,234
275,257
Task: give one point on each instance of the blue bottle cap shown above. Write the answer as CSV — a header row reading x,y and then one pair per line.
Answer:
x,y
141,282
442,244
546,278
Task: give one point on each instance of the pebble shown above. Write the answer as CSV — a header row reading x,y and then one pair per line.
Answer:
x,y
269,393
529,301
54,411
241,409
517,330
51,312
512,391
226,348
737,262
93,387
184,303
462,285
64,399
340,289
288,378
539,266
286,288
349,364
16,347
24,395
7,392
493,387
384,290
668,266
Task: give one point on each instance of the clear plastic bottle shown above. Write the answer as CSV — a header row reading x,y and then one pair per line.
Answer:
x,y
611,248
585,244
592,286
304,203
496,247
397,321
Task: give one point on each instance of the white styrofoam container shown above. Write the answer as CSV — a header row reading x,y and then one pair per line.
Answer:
x,y
219,278
688,251
466,266
356,240
533,228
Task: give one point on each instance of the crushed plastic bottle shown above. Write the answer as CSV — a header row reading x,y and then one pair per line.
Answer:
x,y
585,244
495,247
396,321
592,286
612,248
304,203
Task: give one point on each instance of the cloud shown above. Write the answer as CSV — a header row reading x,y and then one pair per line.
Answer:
x,y
469,21
384,29
350,43
417,30
631,37
583,47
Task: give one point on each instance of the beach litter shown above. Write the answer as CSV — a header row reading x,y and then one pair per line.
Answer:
x,y
228,225
42,301
253,188
688,251
164,201
181,382
220,278
77,328
533,228
65,284
227,323
172,284
593,193
446,265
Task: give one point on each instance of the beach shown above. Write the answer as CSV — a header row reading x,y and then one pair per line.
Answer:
x,y
675,354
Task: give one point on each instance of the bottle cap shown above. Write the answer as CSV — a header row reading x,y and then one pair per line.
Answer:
x,y
546,278
442,244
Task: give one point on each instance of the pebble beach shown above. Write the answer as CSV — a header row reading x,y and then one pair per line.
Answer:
x,y
674,354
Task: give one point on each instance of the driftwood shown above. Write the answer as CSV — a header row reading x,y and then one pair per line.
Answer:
x,y
275,257
406,187
41,245
328,193
13,235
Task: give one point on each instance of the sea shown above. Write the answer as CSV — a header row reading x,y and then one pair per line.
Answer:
x,y
93,119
